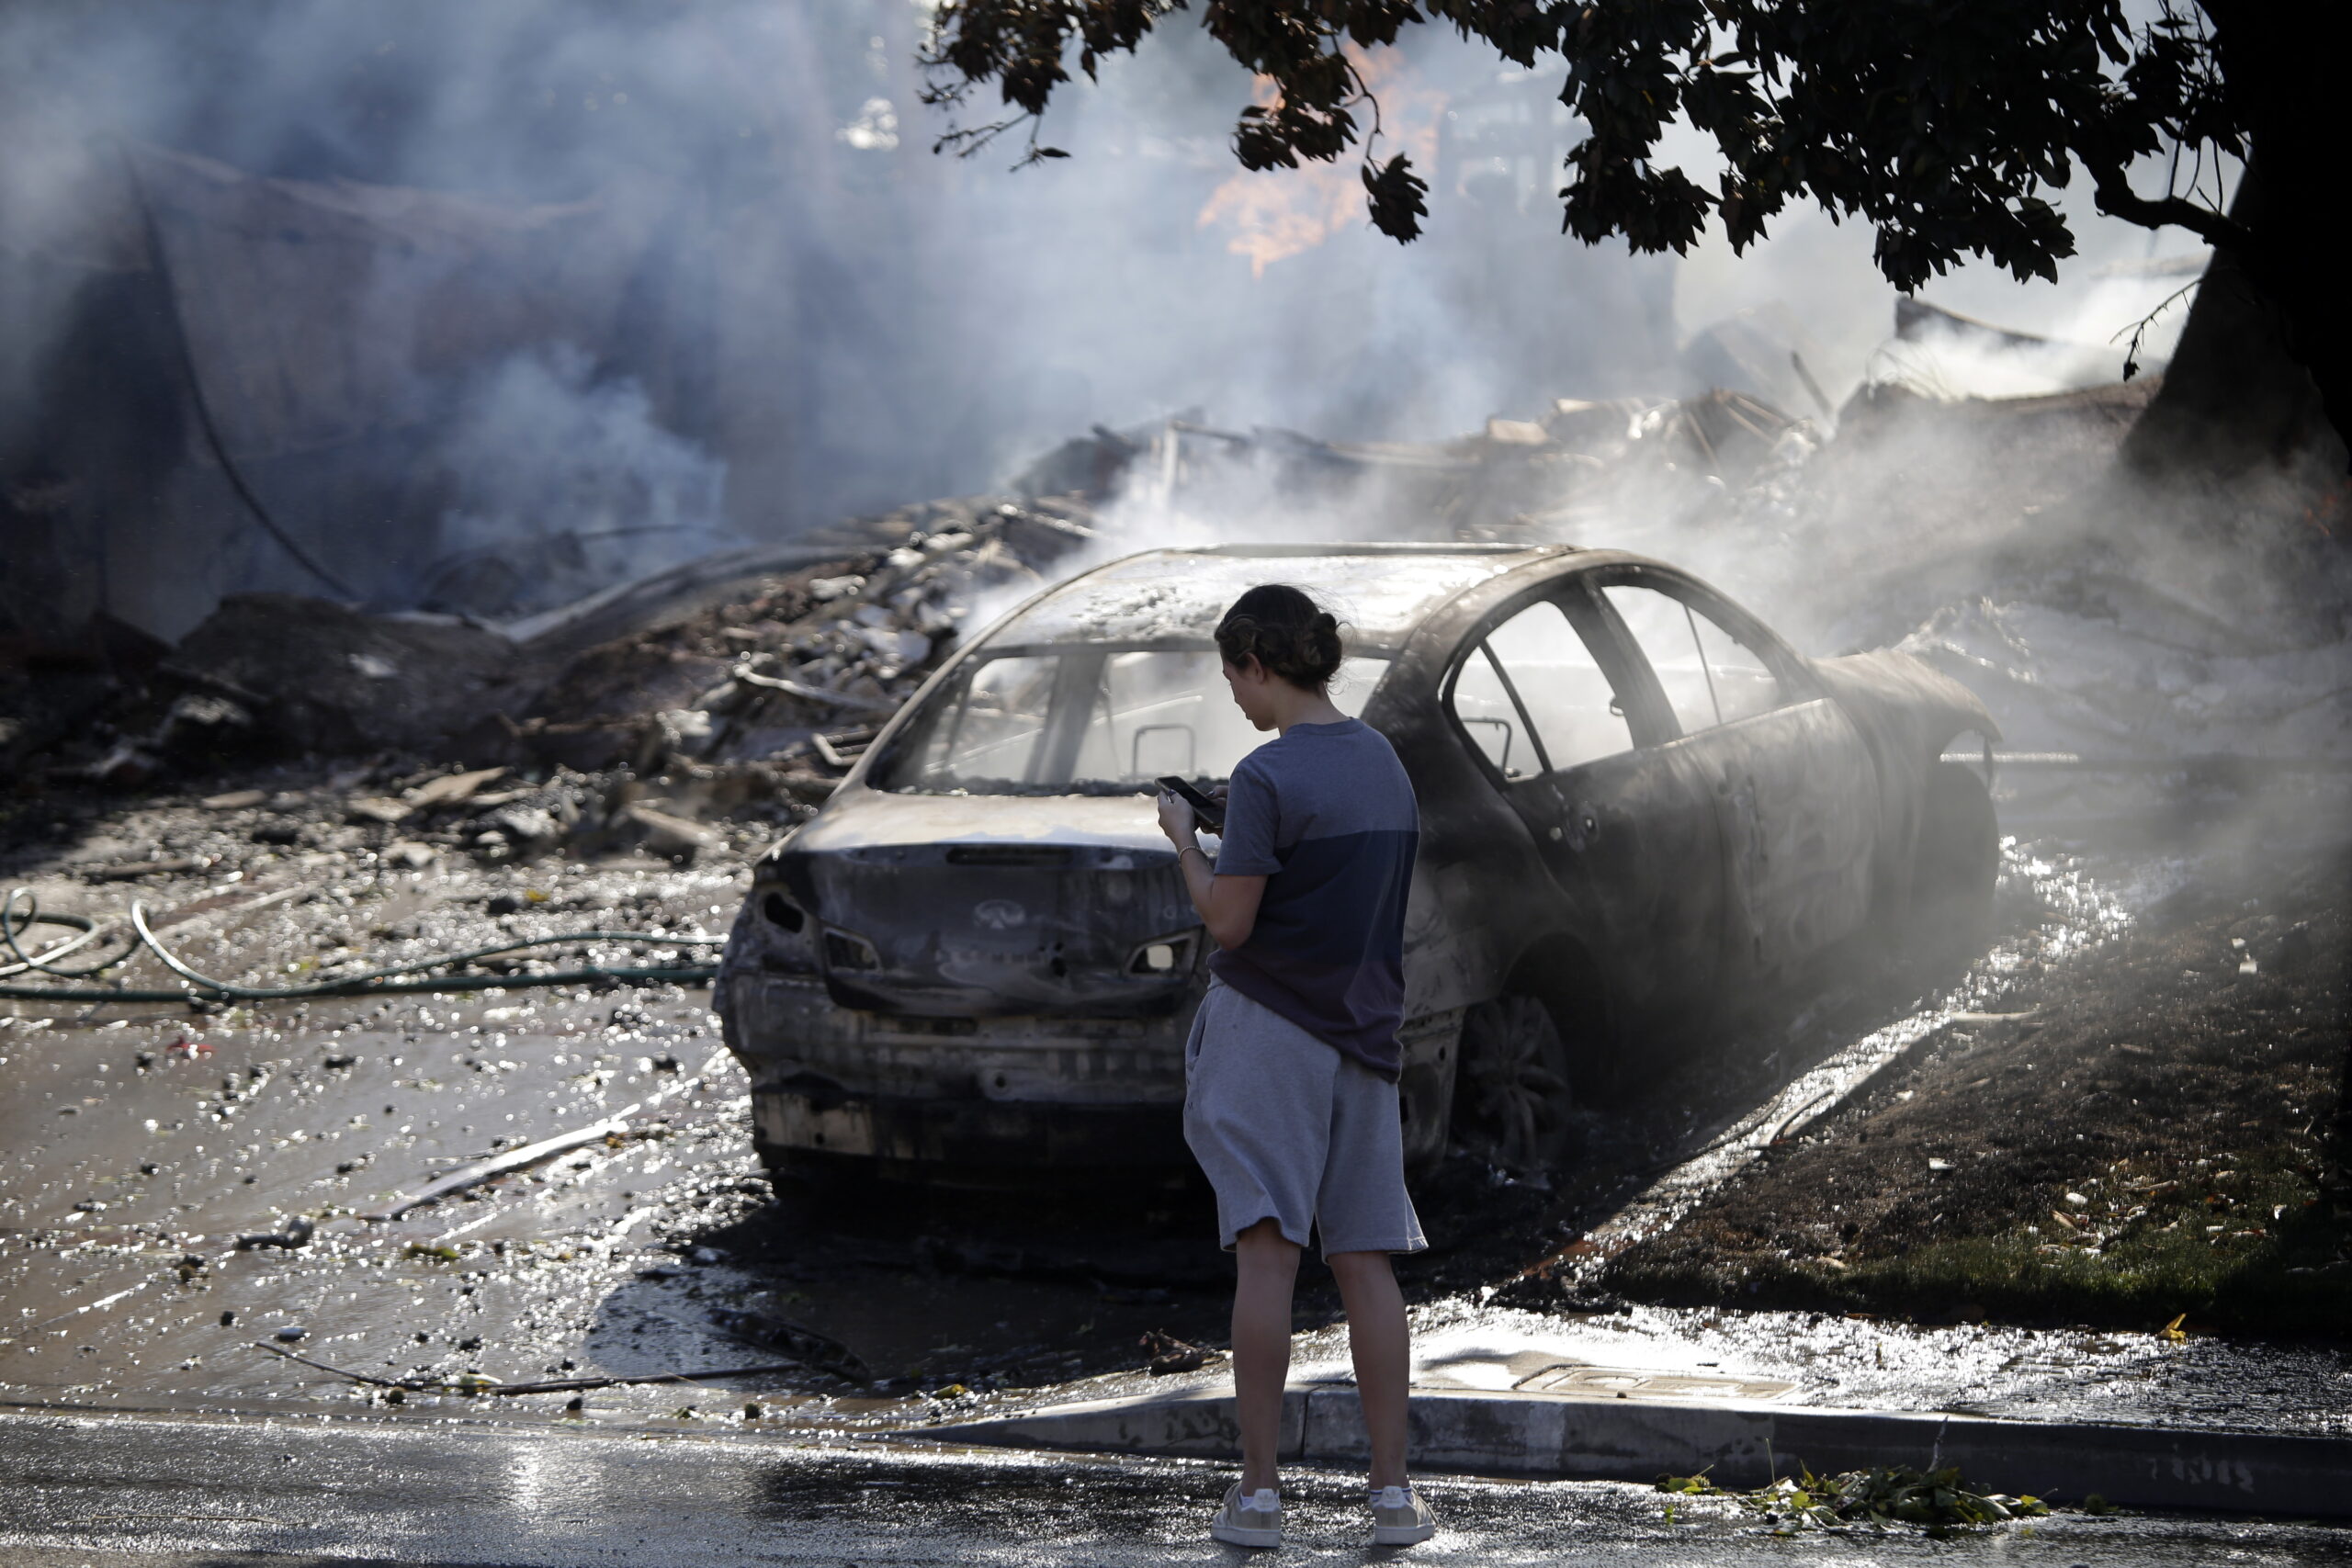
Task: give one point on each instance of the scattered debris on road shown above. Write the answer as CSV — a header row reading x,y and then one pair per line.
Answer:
x,y
477,1383
474,1175
1879,1500
1169,1355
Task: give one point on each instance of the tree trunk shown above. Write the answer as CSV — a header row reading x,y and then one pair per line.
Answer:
x,y
2235,394
2276,305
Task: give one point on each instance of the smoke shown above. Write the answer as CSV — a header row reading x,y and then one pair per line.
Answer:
x,y
560,483
850,322
814,301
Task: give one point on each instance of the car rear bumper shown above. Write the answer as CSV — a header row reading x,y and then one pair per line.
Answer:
x,y
1007,1092
968,1132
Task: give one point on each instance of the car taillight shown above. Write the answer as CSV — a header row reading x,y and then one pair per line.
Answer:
x,y
1163,956
844,950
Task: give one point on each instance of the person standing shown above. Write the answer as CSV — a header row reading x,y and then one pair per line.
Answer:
x,y
1291,1068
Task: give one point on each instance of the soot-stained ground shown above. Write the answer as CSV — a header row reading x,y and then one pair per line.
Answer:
x,y
2146,1138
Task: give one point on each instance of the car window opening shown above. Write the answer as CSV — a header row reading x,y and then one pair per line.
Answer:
x,y
1086,721
1710,676
1518,706
1536,671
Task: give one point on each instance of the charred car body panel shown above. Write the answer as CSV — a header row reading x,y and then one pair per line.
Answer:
x,y
1637,803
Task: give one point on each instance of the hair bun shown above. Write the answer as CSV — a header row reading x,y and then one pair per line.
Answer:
x,y
1286,632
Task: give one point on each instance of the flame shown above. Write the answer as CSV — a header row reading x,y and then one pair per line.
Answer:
x,y
1276,213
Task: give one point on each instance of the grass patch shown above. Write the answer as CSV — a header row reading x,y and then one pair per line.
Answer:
x,y
2243,1246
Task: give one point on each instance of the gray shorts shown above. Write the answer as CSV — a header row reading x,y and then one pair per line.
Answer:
x,y
1288,1129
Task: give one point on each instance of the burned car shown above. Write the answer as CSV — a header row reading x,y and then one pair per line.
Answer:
x,y
1639,805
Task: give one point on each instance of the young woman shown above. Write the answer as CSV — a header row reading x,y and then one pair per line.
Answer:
x,y
1290,1101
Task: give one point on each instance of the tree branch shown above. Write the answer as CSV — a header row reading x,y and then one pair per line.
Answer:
x,y
2116,197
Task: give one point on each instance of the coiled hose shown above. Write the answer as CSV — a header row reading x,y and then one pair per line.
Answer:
x,y
389,979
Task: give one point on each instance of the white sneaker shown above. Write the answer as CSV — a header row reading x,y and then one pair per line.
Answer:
x,y
1399,1518
1252,1518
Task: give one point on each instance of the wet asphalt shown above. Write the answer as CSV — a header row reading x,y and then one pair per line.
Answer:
x,y
124,1491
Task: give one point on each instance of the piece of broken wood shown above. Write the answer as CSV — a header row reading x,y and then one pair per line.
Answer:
x,y
816,693
297,1233
1170,1355
514,1159
449,789
145,868
235,800
668,835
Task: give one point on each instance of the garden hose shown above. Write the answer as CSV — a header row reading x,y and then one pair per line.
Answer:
x,y
395,978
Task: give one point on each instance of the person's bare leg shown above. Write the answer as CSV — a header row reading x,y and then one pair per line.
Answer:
x,y
1267,1266
1377,1337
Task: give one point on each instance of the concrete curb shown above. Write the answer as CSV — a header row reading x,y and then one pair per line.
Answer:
x,y
1571,1438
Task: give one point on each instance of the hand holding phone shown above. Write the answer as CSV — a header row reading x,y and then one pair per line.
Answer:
x,y
1209,813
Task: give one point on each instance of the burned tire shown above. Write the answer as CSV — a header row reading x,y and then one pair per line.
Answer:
x,y
1959,857
1511,1092
1959,840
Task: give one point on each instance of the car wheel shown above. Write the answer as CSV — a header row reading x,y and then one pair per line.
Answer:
x,y
1511,1097
1958,860
1959,840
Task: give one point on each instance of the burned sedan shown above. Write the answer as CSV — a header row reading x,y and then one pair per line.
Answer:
x,y
1639,808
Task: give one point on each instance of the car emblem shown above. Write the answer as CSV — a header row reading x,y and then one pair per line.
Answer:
x,y
999,914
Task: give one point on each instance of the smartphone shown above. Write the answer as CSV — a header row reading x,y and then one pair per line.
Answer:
x,y
1209,813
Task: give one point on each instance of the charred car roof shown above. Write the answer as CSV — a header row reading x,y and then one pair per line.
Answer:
x,y
1380,592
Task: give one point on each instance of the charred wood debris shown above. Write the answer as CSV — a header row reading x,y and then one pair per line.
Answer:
x,y
671,717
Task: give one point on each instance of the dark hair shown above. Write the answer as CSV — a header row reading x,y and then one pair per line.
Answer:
x,y
1286,631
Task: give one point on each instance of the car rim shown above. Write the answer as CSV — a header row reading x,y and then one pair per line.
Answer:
x,y
1516,1096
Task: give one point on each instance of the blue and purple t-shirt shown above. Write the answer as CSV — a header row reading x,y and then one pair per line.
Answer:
x,y
1325,814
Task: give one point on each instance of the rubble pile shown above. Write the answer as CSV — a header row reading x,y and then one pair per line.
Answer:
x,y
835,647
1570,473
721,697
